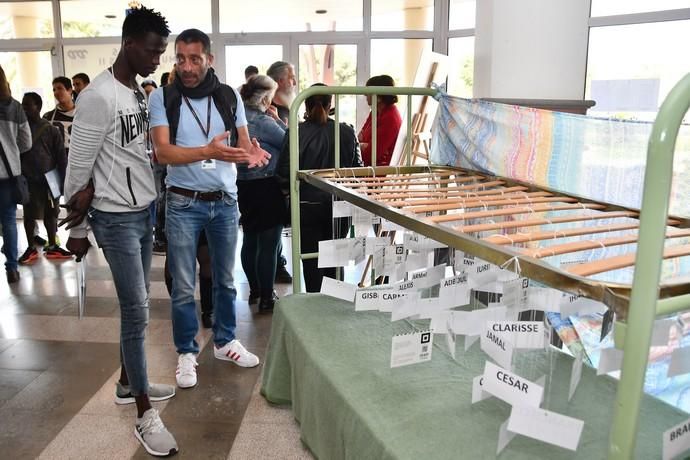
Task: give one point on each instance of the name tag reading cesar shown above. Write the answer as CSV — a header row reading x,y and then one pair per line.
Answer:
x,y
411,348
510,387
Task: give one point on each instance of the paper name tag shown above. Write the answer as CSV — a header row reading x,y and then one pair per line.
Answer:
x,y
661,331
477,393
571,305
676,440
544,299
470,340
504,436
342,209
515,293
454,291
611,359
575,375
418,260
546,426
418,242
339,253
411,348
450,337
510,387
474,322
338,289
387,225
521,334
481,273
376,298
680,362
208,164
428,277
409,305
373,244
497,346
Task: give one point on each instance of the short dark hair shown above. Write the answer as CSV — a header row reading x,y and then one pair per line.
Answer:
x,y
36,98
383,80
82,76
195,36
64,81
149,83
141,21
164,78
251,70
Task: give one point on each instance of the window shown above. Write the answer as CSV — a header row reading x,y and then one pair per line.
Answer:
x,y
402,15
631,68
238,57
97,18
398,58
462,14
460,66
282,16
614,7
93,59
26,71
334,65
26,20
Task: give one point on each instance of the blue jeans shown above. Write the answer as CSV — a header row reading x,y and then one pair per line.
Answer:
x,y
126,239
8,220
185,218
259,258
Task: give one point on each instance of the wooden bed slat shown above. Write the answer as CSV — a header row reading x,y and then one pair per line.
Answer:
x,y
618,262
512,211
470,204
555,234
544,221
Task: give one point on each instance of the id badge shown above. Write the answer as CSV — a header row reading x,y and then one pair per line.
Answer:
x,y
208,164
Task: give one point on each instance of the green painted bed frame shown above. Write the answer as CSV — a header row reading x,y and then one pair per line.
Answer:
x,y
633,335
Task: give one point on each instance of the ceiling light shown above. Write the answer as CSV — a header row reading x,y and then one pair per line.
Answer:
x,y
110,16
321,11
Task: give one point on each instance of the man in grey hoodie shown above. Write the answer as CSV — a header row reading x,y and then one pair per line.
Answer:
x,y
108,169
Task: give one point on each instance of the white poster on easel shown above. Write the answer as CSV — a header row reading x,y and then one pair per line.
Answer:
x,y
433,68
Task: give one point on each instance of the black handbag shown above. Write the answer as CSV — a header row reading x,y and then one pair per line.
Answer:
x,y
19,184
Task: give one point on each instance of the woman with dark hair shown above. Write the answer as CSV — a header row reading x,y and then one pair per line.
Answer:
x,y
261,202
15,139
388,121
317,151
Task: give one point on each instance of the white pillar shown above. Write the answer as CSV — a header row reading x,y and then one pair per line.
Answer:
x,y
531,49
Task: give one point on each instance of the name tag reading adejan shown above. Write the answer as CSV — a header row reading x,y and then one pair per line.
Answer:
x,y
510,387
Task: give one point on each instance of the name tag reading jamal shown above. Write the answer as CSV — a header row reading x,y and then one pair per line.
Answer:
x,y
510,387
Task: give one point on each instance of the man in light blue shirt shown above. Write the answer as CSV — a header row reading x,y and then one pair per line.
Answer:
x,y
195,122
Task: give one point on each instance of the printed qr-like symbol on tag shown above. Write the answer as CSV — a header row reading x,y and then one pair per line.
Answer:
x,y
426,337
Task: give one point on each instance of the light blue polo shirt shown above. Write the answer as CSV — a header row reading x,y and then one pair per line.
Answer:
x,y
193,176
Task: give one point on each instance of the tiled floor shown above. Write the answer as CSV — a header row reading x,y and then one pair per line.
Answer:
x,y
57,374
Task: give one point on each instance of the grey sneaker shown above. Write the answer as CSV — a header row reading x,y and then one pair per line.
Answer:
x,y
157,392
153,435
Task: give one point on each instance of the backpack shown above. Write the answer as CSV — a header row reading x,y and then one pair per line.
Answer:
x,y
224,99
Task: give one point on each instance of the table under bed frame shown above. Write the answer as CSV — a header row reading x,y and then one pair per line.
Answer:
x,y
498,219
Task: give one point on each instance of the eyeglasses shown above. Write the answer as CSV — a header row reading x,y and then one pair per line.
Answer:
x,y
143,107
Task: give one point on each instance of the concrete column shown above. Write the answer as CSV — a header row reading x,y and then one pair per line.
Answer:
x,y
531,48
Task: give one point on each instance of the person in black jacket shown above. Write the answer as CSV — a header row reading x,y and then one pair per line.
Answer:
x,y
317,151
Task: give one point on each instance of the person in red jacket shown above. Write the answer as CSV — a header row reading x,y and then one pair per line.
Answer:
x,y
388,121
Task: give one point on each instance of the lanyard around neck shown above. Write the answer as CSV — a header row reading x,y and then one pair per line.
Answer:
x,y
207,129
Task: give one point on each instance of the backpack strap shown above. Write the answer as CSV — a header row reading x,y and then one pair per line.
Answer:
x,y
226,103
224,99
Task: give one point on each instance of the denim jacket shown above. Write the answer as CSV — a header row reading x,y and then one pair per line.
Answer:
x,y
270,134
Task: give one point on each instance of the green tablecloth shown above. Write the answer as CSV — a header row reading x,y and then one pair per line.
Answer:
x,y
333,366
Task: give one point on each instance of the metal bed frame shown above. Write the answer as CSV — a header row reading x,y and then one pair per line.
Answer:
x,y
636,305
